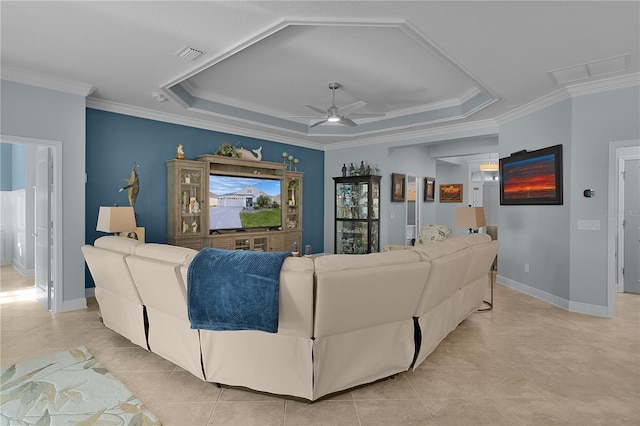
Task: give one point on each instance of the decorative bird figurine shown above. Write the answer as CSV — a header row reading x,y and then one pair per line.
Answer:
x,y
133,186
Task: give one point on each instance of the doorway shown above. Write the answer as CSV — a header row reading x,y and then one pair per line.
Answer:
x,y
628,225
45,226
622,220
413,209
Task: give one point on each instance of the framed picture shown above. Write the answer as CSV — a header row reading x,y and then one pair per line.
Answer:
x,y
429,189
451,193
397,187
532,177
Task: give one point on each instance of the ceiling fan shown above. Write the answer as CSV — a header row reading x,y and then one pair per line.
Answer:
x,y
335,114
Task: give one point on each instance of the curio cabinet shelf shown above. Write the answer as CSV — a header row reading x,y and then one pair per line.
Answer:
x,y
357,224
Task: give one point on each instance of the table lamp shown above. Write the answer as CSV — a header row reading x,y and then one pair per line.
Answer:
x,y
116,220
470,217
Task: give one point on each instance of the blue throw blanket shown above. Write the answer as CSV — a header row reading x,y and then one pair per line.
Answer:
x,y
234,290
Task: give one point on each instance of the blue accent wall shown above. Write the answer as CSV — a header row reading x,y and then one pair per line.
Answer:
x,y
116,141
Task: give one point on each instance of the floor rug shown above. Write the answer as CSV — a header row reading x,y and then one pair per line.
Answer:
x,y
67,388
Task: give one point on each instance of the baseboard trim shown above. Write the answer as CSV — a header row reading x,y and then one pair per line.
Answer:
x,y
24,272
567,305
588,309
73,305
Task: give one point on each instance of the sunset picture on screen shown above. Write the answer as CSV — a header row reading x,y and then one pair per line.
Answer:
x,y
530,178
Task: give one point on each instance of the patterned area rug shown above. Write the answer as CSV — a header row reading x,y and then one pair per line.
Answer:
x,y
67,388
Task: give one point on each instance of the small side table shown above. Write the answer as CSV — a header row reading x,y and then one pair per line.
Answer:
x,y
489,303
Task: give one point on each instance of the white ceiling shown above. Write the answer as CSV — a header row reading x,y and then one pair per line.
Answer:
x,y
423,64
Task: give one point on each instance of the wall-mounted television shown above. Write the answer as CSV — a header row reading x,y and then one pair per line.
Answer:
x,y
532,177
244,203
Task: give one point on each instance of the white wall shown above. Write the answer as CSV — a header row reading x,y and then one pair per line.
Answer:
x,y
597,119
7,226
567,265
446,212
538,235
34,112
18,212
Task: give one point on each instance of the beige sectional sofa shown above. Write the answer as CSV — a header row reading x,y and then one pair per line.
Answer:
x,y
344,320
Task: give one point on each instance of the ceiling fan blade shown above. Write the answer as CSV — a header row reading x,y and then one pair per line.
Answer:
x,y
303,116
318,123
347,122
356,115
320,110
348,109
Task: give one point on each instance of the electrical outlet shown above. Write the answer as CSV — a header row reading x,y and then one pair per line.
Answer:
x,y
526,267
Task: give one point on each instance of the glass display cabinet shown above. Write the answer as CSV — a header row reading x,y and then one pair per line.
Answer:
x,y
357,216
293,203
187,189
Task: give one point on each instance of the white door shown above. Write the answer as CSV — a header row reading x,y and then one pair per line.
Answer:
x,y
413,209
631,226
44,178
491,201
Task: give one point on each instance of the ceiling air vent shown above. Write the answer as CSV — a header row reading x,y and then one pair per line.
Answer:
x,y
189,53
590,70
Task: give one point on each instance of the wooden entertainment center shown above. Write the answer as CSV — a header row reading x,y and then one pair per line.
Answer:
x,y
189,205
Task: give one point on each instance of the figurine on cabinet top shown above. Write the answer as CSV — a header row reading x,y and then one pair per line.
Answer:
x,y
179,152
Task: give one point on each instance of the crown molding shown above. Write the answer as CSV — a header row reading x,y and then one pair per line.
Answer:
x,y
47,82
540,103
574,90
484,127
604,85
149,114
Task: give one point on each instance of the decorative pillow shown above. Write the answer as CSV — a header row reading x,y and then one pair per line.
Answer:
x,y
433,234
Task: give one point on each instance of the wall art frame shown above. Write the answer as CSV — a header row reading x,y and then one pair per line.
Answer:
x,y
532,177
451,192
429,189
398,187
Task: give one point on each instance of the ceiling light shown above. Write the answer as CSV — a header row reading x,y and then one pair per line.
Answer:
x,y
333,119
489,166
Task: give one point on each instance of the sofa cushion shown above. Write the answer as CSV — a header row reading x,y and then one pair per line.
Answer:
x,y
392,247
473,239
166,253
343,262
430,252
115,243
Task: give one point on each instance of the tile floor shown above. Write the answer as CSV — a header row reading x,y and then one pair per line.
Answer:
x,y
524,363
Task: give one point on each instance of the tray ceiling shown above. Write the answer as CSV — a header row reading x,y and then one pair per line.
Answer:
x,y
408,79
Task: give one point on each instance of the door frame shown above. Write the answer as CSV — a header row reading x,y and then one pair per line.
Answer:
x,y
613,219
417,211
56,212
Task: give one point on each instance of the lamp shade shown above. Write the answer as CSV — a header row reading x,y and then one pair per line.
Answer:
x,y
116,219
470,217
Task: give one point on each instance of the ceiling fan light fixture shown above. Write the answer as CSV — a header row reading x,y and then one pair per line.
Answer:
x,y
333,119
489,166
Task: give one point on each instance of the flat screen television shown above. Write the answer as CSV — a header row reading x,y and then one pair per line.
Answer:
x,y
243,203
532,177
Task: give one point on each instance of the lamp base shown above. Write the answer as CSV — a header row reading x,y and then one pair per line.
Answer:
x,y
138,234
